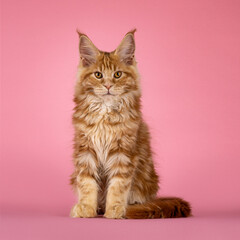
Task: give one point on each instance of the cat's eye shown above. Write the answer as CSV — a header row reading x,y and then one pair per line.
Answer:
x,y
98,75
118,74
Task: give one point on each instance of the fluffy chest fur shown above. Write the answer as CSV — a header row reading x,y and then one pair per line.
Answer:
x,y
110,130
103,138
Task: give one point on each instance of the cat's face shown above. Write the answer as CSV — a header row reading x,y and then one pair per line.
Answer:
x,y
107,75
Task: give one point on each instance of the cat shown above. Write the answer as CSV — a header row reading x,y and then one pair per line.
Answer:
x,y
114,172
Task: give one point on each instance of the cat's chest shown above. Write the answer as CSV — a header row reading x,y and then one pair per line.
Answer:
x,y
103,138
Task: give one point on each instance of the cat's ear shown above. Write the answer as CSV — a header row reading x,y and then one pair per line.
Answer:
x,y
88,51
126,48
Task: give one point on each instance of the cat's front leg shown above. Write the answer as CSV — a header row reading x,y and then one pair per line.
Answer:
x,y
120,176
87,187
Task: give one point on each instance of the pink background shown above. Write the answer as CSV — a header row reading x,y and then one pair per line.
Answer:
x,y
189,59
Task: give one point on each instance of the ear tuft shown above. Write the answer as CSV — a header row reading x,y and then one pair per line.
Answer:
x,y
88,52
79,33
126,49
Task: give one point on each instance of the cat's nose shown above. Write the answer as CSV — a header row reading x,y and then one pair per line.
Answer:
x,y
108,86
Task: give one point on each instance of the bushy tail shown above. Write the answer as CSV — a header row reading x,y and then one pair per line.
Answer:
x,y
160,208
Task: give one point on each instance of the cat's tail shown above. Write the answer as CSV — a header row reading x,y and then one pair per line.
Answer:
x,y
159,208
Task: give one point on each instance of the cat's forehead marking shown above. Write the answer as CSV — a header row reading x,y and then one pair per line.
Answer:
x,y
107,63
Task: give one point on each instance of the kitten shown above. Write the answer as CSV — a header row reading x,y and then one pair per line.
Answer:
x,y
114,173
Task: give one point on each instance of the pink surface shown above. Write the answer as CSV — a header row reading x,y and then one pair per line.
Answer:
x,y
189,59
33,227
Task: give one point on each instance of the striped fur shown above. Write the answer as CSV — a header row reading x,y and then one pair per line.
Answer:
x,y
113,167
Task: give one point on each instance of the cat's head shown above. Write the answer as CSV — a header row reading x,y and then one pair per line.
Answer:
x,y
108,75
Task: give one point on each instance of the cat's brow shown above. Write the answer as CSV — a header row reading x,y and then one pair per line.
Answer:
x,y
107,63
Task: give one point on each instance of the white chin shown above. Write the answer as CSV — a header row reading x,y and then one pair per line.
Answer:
x,y
108,100
108,97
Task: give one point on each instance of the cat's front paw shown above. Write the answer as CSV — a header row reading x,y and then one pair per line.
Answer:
x,y
83,211
116,211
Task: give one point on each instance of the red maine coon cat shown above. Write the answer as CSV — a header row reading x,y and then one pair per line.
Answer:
x,y
114,172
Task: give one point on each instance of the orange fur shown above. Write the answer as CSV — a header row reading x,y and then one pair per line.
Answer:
x,y
114,172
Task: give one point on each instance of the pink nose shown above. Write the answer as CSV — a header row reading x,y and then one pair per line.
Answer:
x,y
108,86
